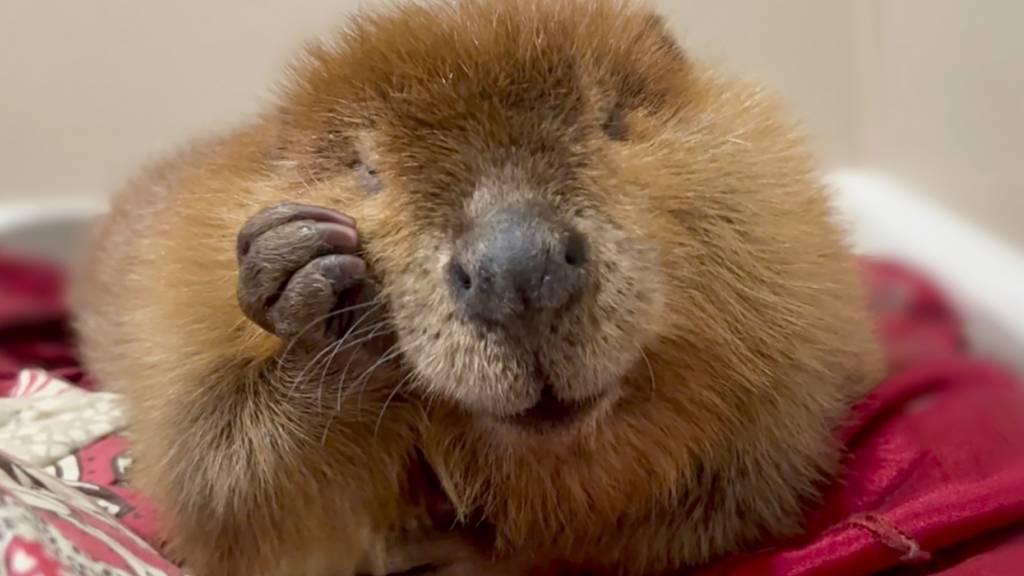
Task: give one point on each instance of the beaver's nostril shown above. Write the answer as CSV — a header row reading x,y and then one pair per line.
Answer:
x,y
460,278
576,250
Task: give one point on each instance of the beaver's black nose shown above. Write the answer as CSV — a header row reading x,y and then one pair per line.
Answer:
x,y
517,263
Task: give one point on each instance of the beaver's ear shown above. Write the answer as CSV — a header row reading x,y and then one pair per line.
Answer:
x,y
657,27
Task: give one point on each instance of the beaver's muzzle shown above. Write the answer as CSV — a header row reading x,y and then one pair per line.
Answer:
x,y
517,264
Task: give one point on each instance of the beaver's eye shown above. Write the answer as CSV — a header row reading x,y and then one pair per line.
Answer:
x,y
614,124
368,177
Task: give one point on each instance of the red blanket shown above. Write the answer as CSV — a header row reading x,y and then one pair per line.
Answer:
x,y
934,482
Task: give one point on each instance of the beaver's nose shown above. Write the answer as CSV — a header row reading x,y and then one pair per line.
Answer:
x,y
516,263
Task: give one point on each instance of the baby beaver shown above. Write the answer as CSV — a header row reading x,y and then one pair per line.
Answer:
x,y
496,280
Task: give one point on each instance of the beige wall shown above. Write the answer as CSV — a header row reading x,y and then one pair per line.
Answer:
x,y
803,49
942,103
931,90
91,88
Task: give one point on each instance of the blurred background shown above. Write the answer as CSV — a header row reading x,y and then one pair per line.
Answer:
x,y
929,91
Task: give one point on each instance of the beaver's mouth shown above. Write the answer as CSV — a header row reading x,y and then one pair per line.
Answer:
x,y
551,413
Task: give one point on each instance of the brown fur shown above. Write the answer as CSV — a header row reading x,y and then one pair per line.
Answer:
x,y
724,330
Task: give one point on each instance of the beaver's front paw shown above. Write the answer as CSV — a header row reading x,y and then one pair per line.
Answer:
x,y
298,272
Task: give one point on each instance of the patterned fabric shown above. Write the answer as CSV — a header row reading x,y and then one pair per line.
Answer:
x,y
100,472
76,515
44,418
47,528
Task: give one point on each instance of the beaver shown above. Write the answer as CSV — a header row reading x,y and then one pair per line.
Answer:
x,y
589,288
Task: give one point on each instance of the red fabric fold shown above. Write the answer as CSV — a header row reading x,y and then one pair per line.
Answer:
x,y
33,321
934,474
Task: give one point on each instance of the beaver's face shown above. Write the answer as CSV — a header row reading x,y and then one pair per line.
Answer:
x,y
488,165
527,297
